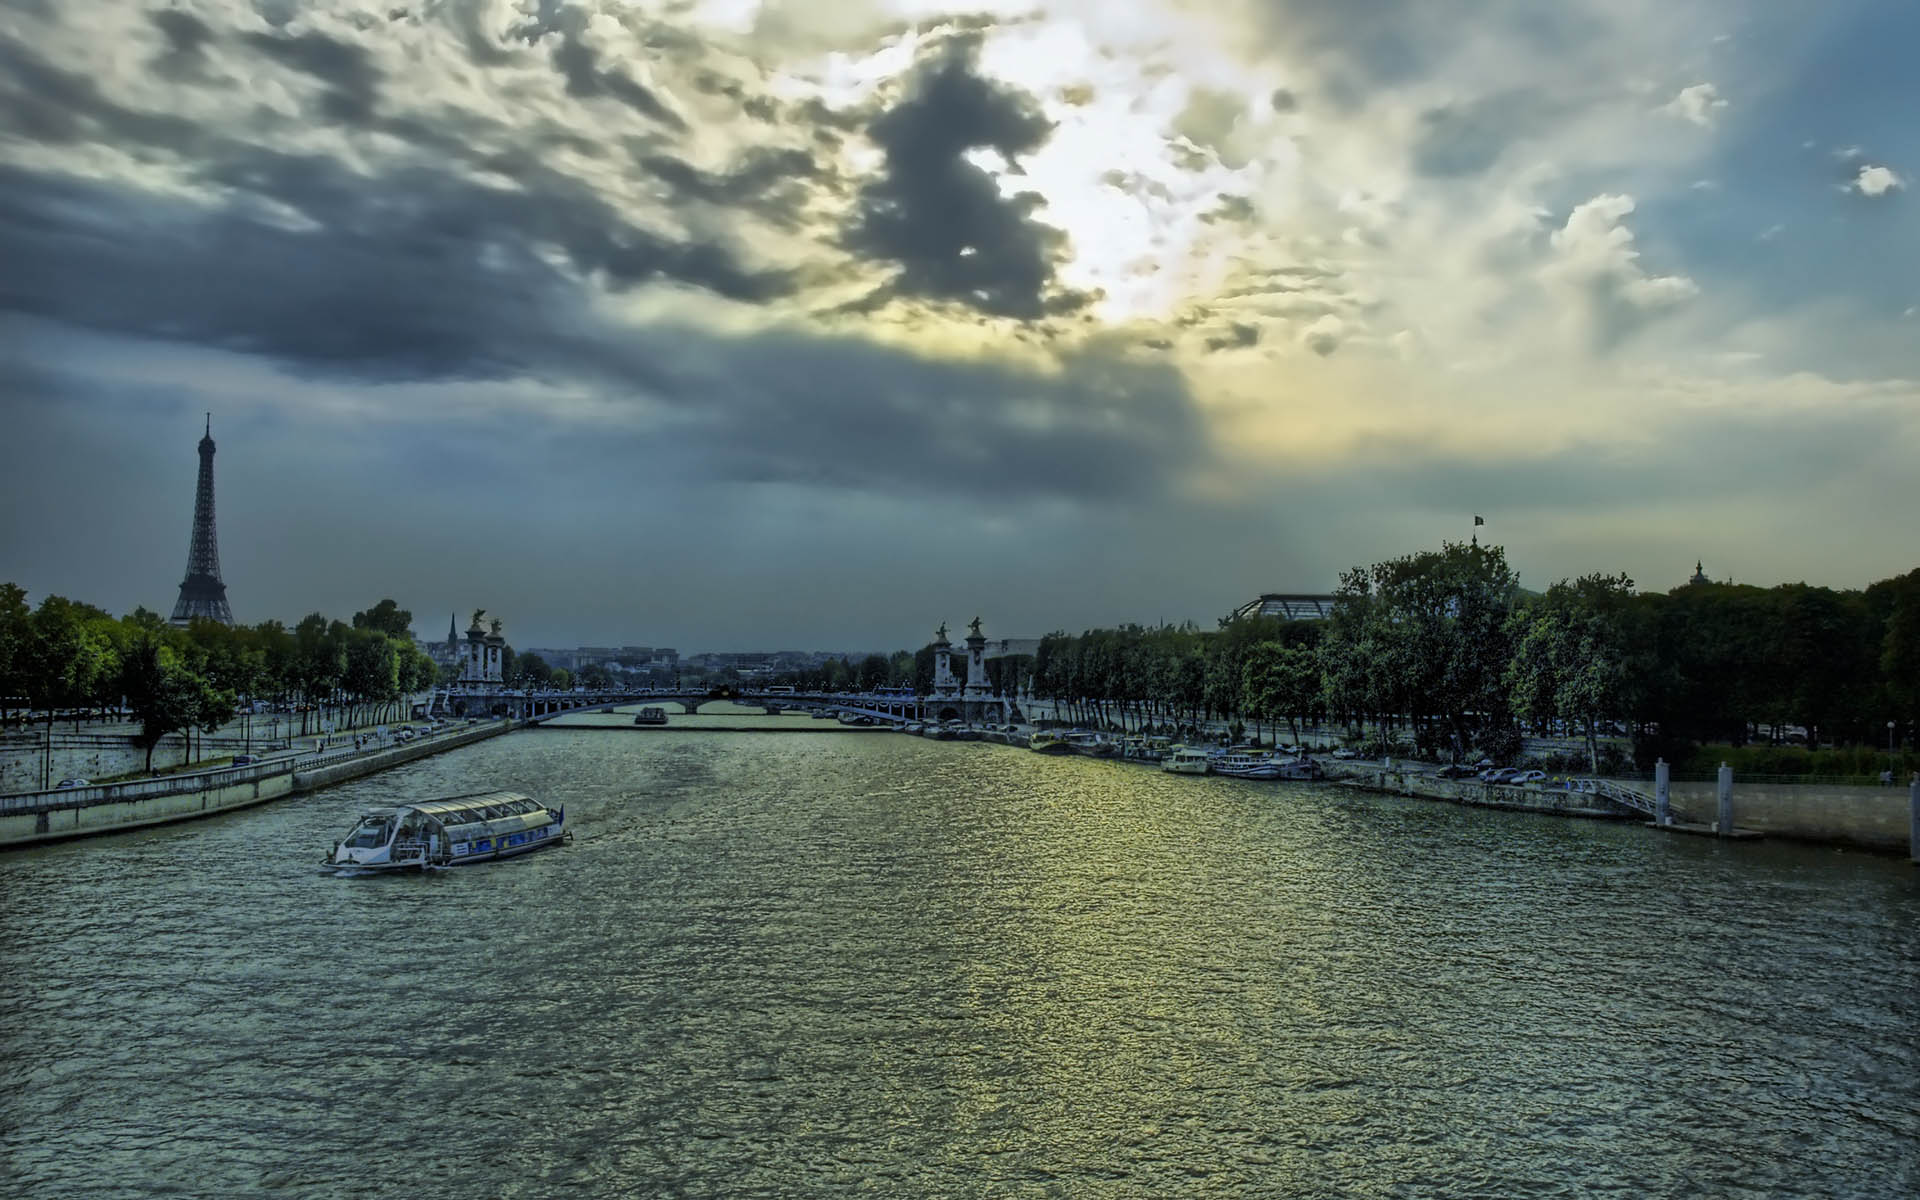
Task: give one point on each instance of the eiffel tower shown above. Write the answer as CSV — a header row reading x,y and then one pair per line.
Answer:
x,y
201,592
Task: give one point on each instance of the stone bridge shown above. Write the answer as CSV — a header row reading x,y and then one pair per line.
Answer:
x,y
889,705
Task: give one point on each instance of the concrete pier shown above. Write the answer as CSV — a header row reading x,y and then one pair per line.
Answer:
x,y
1662,793
1724,822
1913,818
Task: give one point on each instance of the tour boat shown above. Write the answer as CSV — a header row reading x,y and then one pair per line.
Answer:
x,y
651,716
1145,749
1093,745
1187,760
450,833
1242,764
1049,741
1302,768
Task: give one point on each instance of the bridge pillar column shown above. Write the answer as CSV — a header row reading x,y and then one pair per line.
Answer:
x,y
1662,783
1723,824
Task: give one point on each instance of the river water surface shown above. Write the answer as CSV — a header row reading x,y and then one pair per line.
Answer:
x,y
818,963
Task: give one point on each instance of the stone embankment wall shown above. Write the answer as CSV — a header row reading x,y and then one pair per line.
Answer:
x,y
112,808
320,771
49,816
85,756
1871,817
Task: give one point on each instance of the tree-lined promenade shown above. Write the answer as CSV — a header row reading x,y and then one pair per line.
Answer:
x,y
1446,656
1440,653
63,656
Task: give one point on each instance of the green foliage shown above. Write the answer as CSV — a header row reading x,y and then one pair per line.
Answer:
x,y
1573,656
166,696
1858,762
1281,683
1425,637
388,618
530,671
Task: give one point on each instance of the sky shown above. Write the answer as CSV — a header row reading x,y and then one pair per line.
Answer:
x,y
737,324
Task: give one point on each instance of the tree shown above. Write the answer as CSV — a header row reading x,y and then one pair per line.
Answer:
x,y
16,631
65,658
1425,637
165,696
1282,683
872,673
1572,658
561,680
388,618
531,671
372,675
320,659
1899,599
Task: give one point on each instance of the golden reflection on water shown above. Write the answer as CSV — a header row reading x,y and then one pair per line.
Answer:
x,y
806,965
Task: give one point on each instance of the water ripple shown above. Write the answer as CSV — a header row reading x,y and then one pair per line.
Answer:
x,y
807,964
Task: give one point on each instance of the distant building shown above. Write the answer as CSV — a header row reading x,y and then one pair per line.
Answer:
x,y
447,653
1288,606
1011,646
1699,575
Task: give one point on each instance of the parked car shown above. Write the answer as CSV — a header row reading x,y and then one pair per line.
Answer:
x,y
1456,771
1344,753
64,784
1526,777
245,760
1499,774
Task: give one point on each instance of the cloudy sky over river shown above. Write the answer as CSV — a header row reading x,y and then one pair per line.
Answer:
x,y
808,324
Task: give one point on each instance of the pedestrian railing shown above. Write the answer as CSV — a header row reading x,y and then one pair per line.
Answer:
x,y
1607,789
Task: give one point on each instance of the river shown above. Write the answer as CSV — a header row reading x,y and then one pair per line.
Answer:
x,y
823,962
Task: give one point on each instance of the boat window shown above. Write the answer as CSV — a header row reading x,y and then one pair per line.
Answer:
x,y
369,835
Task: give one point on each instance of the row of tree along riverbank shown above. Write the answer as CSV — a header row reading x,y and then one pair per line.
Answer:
x,y
63,659
1442,654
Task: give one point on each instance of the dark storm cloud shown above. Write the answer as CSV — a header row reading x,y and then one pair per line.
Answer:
x,y
41,102
418,273
942,220
586,79
352,81
185,33
765,181
1239,335
845,414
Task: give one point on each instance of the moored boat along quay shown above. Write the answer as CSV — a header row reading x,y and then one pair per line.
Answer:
x,y
1884,820
34,817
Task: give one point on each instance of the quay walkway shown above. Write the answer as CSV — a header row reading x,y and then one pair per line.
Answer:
x,y
33,817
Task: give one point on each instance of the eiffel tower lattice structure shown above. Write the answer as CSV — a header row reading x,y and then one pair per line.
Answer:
x,y
201,592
